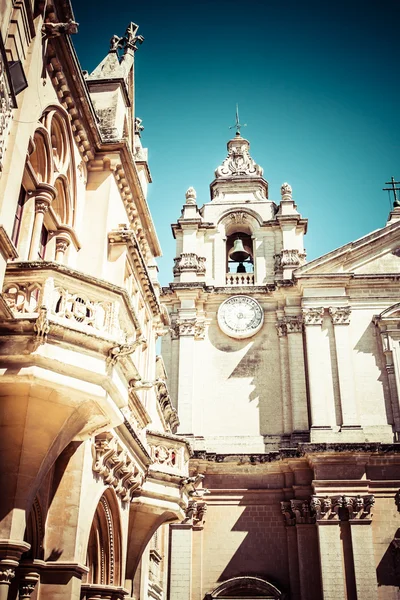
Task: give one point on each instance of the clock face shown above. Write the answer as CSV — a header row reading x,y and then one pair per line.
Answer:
x,y
240,317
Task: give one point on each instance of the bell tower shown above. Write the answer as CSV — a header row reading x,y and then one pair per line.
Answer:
x,y
235,257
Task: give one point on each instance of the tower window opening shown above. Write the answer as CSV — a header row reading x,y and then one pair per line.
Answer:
x,y
239,253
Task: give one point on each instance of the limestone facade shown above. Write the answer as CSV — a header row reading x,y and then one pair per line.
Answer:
x,y
91,468
294,415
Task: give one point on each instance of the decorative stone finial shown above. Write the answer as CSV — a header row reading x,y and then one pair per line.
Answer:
x,y
191,196
131,37
286,191
238,163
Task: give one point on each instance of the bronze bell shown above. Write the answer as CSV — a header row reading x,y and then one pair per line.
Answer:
x,y
238,253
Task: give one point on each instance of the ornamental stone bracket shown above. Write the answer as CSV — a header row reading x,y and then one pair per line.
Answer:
x,y
342,508
238,163
188,327
41,327
113,464
117,352
169,412
189,262
340,315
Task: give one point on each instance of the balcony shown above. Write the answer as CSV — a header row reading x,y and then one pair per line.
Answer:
x,y
71,300
239,279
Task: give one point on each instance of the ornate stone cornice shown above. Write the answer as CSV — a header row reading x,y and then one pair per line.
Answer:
x,y
189,261
340,315
313,316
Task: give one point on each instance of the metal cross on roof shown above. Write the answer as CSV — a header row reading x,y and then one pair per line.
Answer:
x,y
237,125
392,183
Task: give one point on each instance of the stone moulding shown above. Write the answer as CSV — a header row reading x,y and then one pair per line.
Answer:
x,y
328,508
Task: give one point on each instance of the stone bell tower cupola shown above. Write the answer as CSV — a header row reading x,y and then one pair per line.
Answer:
x,y
241,237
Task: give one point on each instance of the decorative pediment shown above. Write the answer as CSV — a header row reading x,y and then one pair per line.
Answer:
x,y
238,163
375,253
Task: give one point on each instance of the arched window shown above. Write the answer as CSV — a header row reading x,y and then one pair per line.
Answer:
x,y
104,546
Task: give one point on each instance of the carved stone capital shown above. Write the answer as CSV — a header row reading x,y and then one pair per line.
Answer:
x,y
238,217
6,574
313,316
188,327
27,584
340,315
292,258
281,328
41,206
343,508
294,324
62,244
297,512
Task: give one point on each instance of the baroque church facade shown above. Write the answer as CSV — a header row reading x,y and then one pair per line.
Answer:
x,y
258,455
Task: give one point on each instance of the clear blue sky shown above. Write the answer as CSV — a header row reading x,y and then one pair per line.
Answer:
x,y
317,84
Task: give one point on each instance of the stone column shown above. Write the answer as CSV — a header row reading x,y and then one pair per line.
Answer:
x,y
287,426
319,372
341,318
297,377
7,574
62,243
180,561
27,583
44,194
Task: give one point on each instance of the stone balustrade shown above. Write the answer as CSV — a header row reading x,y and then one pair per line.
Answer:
x,y
71,299
240,279
170,453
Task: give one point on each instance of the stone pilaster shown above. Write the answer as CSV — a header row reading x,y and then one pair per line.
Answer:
x,y
341,319
297,375
319,371
180,575
331,559
364,559
186,333
287,425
